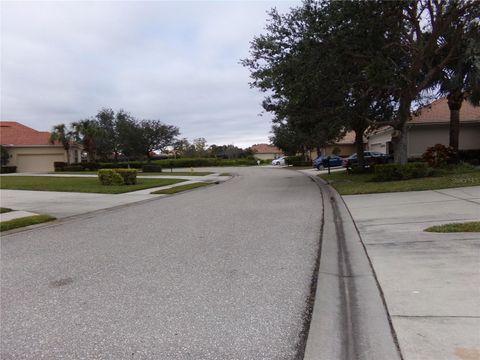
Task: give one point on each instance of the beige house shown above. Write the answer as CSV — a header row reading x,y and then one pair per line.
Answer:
x,y
432,126
266,152
346,146
30,150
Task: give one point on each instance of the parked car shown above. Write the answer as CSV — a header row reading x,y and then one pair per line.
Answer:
x,y
326,161
371,157
280,161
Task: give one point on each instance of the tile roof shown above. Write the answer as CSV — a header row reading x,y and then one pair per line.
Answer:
x,y
348,138
266,149
438,112
14,133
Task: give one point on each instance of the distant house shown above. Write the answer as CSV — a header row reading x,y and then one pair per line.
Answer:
x,y
30,150
344,146
266,152
431,126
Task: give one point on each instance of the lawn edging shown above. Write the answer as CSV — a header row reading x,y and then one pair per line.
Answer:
x,y
180,188
24,222
469,226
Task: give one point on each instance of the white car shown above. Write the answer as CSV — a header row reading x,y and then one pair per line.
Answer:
x,y
280,161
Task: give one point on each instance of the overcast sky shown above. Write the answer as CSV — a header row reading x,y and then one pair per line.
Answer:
x,y
173,61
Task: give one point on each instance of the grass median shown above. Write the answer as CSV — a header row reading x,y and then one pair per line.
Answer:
x,y
4,210
181,188
352,184
473,226
77,184
24,221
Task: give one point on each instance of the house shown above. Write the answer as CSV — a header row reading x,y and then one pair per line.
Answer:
x,y
344,147
266,152
31,151
432,126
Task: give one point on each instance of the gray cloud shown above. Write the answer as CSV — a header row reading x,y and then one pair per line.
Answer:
x,y
173,61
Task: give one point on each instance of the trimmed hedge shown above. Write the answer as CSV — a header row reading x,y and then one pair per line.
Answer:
x,y
72,168
151,168
391,172
109,177
59,165
129,176
8,169
117,176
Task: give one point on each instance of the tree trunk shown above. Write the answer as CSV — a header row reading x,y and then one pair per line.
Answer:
x,y
399,135
359,147
455,99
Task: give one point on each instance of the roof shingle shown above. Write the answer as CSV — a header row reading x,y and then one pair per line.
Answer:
x,y
14,133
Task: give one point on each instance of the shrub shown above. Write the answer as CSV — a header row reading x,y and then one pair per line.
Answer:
x,y
8,169
151,168
357,169
59,165
439,155
4,156
129,176
89,166
470,156
391,172
109,177
73,168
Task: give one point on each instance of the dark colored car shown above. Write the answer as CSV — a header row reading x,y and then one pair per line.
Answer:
x,y
326,161
371,157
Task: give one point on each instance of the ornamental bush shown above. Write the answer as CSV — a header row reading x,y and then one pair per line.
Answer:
x,y
129,176
110,177
391,172
439,155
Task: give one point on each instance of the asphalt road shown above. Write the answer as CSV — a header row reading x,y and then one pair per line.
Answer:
x,y
217,273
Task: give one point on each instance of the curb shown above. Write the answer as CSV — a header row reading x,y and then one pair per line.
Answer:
x,y
349,318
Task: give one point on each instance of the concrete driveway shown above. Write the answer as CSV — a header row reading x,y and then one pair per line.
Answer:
x,y
219,273
431,281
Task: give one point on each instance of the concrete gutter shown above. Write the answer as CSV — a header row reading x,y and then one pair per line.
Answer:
x,y
349,318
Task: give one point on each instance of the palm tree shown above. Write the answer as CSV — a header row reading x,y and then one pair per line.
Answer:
x,y
60,133
85,132
460,80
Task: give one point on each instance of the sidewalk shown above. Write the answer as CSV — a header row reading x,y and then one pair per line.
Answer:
x,y
431,281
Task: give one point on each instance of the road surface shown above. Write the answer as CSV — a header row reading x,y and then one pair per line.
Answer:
x,y
223,272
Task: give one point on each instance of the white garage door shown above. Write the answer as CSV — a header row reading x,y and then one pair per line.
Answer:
x,y
37,162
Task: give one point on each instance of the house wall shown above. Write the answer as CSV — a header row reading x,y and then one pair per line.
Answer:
x,y
345,150
35,159
422,137
266,156
378,142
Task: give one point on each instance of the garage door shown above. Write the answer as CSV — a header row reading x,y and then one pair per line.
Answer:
x,y
37,162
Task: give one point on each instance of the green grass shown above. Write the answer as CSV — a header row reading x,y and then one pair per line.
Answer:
x,y
351,184
24,221
164,173
180,188
225,174
77,184
4,210
473,226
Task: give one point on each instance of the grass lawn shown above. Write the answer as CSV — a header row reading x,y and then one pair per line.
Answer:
x,y
181,188
25,221
225,174
350,184
4,210
473,226
164,173
77,184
